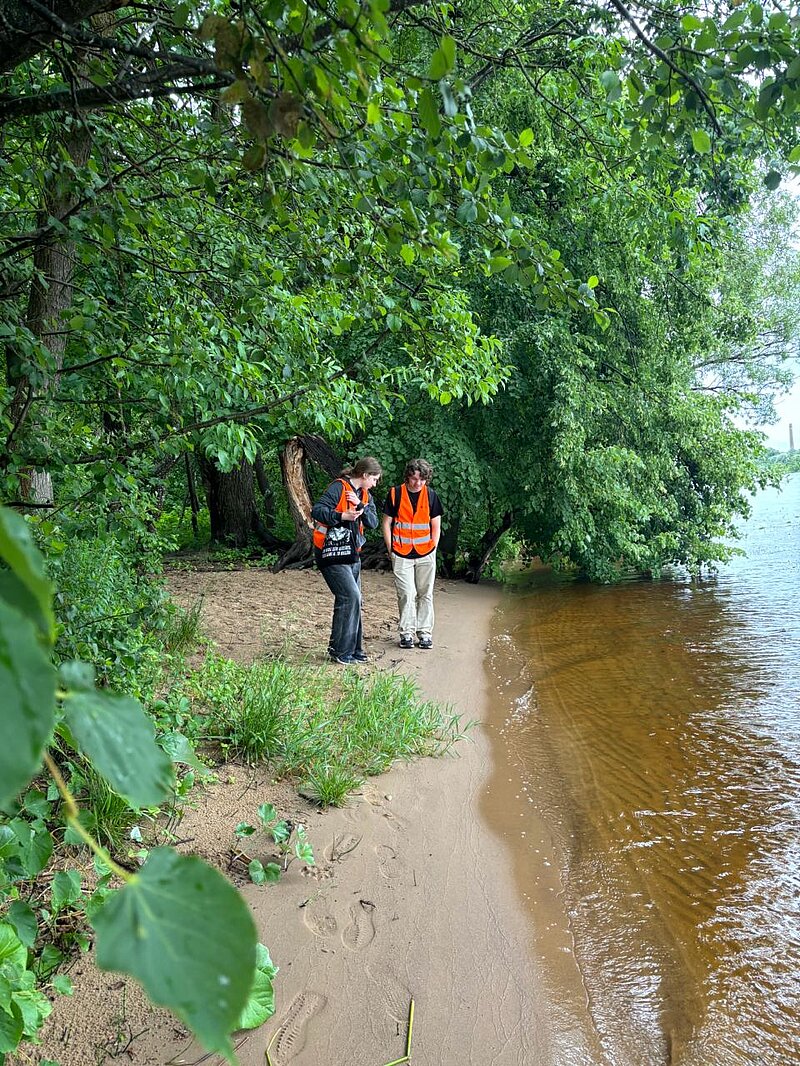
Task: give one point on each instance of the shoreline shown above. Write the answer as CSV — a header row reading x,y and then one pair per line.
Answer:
x,y
414,894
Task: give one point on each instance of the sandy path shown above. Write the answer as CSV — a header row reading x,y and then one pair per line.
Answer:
x,y
413,896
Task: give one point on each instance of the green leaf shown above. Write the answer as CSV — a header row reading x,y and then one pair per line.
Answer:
x,y
691,22
443,59
254,158
186,934
258,875
179,749
20,915
701,142
77,676
28,687
773,179
429,113
12,951
526,138
794,155
26,563
609,79
65,889
261,1003
62,984
35,846
593,281
118,737
11,1027
17,595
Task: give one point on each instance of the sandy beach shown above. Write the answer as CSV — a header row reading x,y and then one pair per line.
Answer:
x,y
413,895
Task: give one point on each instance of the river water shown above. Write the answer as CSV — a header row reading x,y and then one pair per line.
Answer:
x,y
647,781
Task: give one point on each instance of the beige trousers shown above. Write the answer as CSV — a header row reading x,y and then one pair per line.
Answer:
x,y
413,579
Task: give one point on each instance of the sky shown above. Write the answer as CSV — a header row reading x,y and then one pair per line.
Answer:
x,y
788,409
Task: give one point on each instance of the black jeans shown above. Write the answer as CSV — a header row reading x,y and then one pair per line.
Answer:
x,y
344,581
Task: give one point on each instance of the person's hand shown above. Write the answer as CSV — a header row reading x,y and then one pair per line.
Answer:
x,y
350,515
353,497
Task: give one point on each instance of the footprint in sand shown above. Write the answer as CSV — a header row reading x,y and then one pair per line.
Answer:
x,y
291,1032
387,861
320,922
342,847
361,930
395,994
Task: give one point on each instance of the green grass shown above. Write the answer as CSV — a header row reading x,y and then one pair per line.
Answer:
x,y
181,631
327,729
106,815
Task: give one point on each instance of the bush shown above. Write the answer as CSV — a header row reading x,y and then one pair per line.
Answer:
x,y
110,614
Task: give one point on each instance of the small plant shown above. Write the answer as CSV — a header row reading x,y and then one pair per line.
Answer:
x,y
290,840
241,558
107,816
181,631
330,785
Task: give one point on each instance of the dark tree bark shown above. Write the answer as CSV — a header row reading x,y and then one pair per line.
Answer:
x,y
231,503
448,544
194,503
26,27
264,487
50,294
480,557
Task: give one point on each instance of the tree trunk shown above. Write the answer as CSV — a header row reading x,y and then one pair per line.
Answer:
x,y
231,503
481,556
293,469
448,543
267,495
50,294
194,503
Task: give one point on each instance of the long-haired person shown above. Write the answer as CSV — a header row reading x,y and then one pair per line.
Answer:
x,y
347,505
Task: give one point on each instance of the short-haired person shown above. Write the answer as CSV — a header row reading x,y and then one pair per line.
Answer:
x,y
347,500
412,525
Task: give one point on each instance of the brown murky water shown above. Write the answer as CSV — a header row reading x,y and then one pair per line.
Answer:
x,y
648,784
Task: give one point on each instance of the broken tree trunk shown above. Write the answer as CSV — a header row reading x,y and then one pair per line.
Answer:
x,y
294,459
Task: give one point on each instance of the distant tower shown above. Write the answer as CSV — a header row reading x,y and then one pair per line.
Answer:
x,y
791,438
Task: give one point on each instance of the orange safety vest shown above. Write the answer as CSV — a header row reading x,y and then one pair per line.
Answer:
x,y
320,529
412,529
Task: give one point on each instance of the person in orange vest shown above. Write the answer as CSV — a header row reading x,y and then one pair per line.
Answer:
x,y
347,502
412,524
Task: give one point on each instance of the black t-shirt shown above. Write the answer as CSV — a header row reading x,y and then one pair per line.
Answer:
x,y
434,505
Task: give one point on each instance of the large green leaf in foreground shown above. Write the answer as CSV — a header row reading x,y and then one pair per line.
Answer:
x,y
186,934
119,738
27,702
27,565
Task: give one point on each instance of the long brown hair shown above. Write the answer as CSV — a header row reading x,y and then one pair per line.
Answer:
x,y
363,467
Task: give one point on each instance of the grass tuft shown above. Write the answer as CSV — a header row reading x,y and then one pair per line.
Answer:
x,y
327,729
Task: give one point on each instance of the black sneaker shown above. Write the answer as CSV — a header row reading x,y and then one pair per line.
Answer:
x,y
342,660
425,642
360,657
406,641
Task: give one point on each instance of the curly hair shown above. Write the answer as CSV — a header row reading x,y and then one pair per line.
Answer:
x,y
418,466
